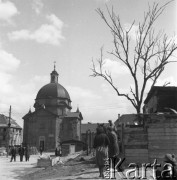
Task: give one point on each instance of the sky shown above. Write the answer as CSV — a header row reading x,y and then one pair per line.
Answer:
x,y
35,33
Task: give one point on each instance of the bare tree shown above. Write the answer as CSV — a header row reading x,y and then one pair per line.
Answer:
x,y
151,52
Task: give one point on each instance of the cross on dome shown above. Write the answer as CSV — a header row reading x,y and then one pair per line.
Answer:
x,y
54,75
54,64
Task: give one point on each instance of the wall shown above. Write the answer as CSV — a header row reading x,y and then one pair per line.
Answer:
x,y
135,144
70,129
157,137
162,136
160,99
15,136
40,124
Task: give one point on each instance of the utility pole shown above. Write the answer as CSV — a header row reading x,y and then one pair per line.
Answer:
x,y
9,124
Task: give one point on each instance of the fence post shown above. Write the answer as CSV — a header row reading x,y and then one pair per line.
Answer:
x,y
122,139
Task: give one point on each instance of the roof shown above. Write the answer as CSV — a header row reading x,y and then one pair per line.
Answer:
x,y
53,90
72,141
40,109
90,126
127,118
158,88
74,115
4,120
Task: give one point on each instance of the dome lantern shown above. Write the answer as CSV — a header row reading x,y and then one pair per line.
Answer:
x,y
54,75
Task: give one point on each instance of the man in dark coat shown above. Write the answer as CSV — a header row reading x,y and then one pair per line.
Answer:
x,y
58,151
21,153
27,153
113,148
13,153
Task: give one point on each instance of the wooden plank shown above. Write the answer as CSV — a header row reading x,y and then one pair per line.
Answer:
x,y
165,125
162,129
131,151
136,155
135,132
133,137
128,129
136,143
162,145
162,133
140,146
156,141
160,153
162,138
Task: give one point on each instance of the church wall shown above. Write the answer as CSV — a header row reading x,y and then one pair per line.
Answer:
x,y
40,126
70,129
46,129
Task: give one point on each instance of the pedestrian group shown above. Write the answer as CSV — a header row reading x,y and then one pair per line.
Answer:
x,y
22,151
106,146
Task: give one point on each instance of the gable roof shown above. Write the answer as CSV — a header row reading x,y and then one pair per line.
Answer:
x,y
128,119
90,126
158,88
4,120
74,115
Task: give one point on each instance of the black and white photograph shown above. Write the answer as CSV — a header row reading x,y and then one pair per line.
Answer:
x,y
88,89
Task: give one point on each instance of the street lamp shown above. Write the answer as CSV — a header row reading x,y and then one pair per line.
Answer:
x,y
88,141
8,125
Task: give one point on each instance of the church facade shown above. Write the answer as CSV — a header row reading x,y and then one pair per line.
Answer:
x,y
52,121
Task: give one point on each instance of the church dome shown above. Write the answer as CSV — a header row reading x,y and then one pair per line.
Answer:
x,y
52,90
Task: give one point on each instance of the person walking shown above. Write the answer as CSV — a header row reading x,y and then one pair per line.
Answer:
x,y
112,125
21,152
101,143
27,153
13,154
40,150
113,148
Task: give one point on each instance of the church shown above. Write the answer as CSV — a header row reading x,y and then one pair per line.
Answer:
x,y
52,123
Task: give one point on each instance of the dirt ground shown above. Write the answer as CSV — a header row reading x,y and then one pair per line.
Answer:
x,y
81,167
69,168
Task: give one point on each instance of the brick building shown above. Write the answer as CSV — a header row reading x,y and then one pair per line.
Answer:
x,y
12,137
161,99
52,121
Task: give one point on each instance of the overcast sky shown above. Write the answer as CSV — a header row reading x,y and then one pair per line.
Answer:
x,y
35,33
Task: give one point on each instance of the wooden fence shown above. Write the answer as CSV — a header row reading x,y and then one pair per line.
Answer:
x,y
154,139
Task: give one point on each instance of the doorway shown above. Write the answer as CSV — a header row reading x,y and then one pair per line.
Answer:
x,y
42,142
72,149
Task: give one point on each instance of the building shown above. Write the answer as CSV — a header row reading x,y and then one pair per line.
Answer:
x,y
52,123
88,132
12,137
161,99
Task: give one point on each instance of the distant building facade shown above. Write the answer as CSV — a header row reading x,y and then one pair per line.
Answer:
x,y
52,122
160,99
12,137
88,132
